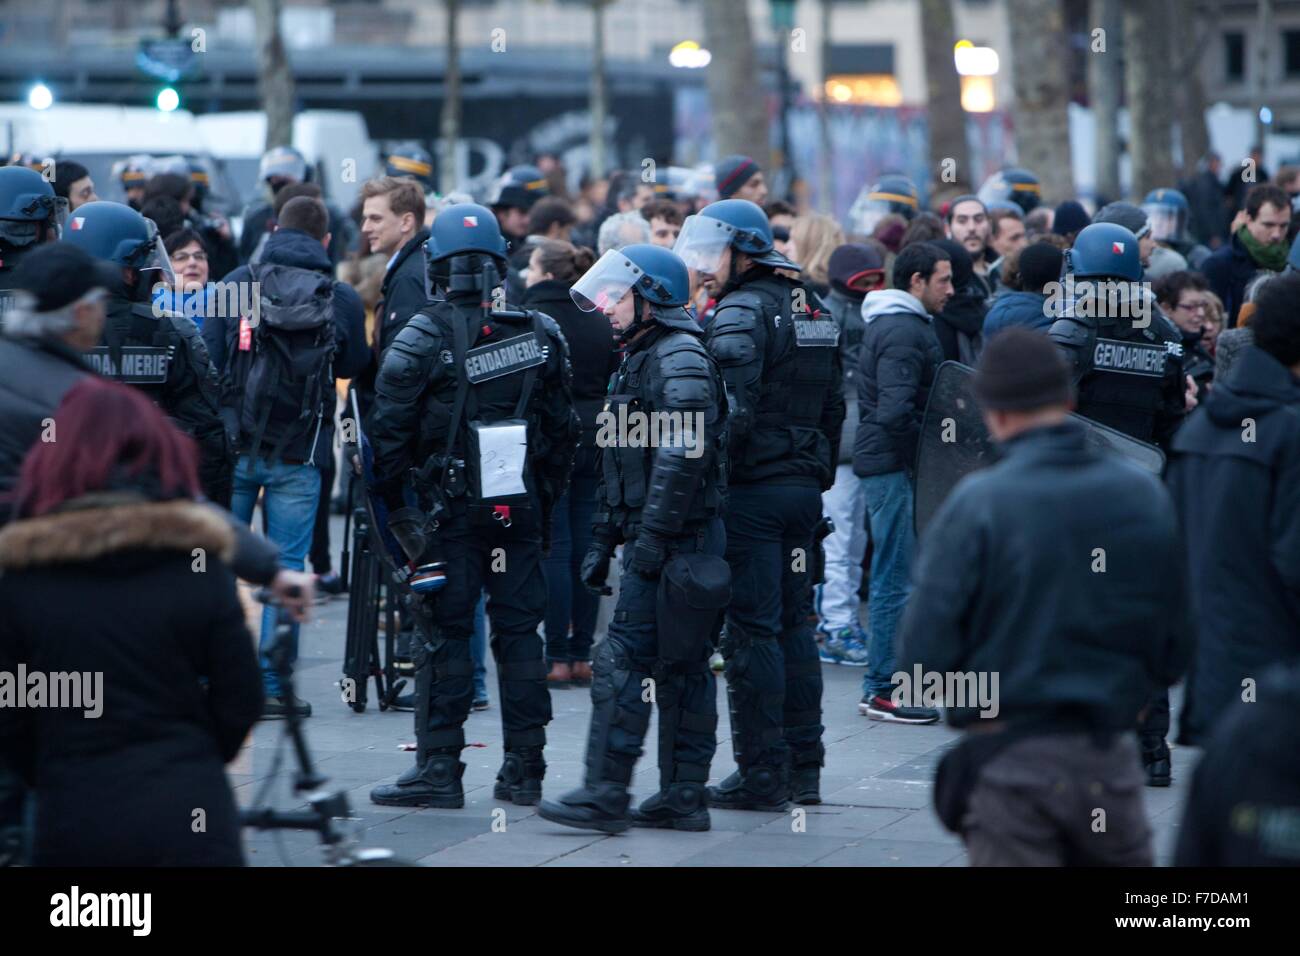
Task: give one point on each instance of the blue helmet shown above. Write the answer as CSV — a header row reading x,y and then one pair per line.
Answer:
x,y
1168,211
519,187
464,228
656,274
893,193
118,234
1105,250
412,161
26,202
1013,184
738,223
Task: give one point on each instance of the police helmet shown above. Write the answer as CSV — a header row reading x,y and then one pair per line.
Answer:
x,y
412,161
1013,184
27,202
1105,250
656,274
118,234
728,222
284,163
1167,210
519,187
893,193
464,228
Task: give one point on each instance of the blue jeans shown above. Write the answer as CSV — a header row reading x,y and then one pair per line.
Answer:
x,y
478,649
889,509
291,496
568,600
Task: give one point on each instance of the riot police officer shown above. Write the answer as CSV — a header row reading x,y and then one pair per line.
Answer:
x,y
30,214
1127,359
1125,353
662,499
1168,212
513,197
474,430
778,351
893,193
411,160
161,354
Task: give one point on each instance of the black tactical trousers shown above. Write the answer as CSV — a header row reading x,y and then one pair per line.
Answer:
x,y
1153,728
774,678
507,563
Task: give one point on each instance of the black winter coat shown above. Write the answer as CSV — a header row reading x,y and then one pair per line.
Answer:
x,y
1006,583
960,325
900,355
1235,476
592,350
403,292
179,691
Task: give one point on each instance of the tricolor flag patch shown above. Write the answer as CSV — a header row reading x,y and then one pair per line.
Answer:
x,y
469,221
1117,248
77,222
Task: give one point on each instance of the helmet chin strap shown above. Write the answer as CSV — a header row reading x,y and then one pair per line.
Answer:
x,y
636,326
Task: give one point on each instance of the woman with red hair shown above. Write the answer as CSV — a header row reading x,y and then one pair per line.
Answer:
x,y
115,590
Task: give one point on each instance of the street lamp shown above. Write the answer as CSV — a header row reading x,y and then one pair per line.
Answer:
x,y
40,97
689,55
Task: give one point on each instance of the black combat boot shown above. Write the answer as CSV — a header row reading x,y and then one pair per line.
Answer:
x,y
806,762
683,806
519,780
599,804
1155,760
758,788
432,782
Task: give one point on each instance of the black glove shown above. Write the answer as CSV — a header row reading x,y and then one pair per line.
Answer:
x,y
595,567
412,529
649,554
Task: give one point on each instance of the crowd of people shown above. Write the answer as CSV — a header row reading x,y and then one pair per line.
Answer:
x,y
128,325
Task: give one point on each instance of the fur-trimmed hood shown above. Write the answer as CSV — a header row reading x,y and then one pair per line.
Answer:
x,y
86,533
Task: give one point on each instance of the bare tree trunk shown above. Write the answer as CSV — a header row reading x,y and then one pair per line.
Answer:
x,y
946,118
825,194
448,174
735,84
599,90
1150,95
1104,78
1039,47
274,77
1193,31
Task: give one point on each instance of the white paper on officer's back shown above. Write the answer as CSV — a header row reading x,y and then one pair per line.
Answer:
x,y
502,452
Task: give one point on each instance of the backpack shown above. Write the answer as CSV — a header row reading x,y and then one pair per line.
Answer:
x,y
282,362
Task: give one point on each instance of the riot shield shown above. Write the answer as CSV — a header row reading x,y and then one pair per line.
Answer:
x,y
954,442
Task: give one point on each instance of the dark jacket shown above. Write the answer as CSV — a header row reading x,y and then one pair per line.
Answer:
x,y
34,377
959,325
259,223
1251,763
1007,582
1235,476
179,691
1027,309
1228,270
900,356
1204,195
592,350
403,292
847,312
292,247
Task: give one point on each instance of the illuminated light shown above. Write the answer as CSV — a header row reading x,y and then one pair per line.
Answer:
x,y
864,89
689,55
1265,115
977,94
168,99
40,97
973,60
963,45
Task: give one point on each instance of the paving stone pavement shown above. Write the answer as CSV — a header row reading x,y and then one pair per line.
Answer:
x,y
875,786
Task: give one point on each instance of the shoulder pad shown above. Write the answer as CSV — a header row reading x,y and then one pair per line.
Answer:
x,y
404,371
420,333
1069,333
185,328
682,353
734,317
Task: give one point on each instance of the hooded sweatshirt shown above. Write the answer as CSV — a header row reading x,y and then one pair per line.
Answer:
x,y
896,367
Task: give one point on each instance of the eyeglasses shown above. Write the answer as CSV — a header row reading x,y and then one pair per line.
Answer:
x,y
184,257
1192,306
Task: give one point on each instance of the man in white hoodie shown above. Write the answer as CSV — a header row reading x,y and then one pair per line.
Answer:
x,y
899,357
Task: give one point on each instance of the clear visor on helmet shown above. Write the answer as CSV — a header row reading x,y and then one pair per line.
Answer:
x,y
604,284
153,258
1167,222
702,242
865,213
